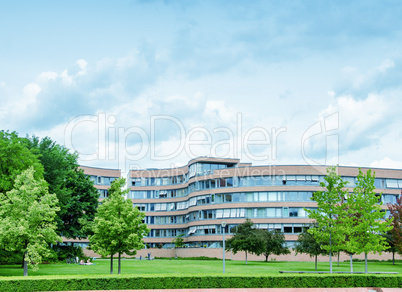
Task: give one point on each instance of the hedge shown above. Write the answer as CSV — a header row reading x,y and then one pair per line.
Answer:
x,y
185,282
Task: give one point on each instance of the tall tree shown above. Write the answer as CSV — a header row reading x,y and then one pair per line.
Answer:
x,y
392,248
364,225
329,211
118,227
306,243
15,157
27,219
245,238
78,198
273,243
396,223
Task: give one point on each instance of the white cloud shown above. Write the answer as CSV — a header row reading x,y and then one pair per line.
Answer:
x,y
386,162
385,65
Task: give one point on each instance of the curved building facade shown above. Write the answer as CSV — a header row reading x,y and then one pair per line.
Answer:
x,y
193,200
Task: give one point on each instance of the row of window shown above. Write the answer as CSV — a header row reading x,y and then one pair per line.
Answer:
x,y
158,181
290,228
267,180
199,169
156,194
279,212
102,180
249,197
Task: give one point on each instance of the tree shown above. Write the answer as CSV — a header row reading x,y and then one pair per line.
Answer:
x,y
118,227
306,243
27,219
15,157
179,241
391,245
329,211
245,238
78,198
363,223
396,217
273,243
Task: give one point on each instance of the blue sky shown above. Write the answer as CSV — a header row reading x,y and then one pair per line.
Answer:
x,y
156,83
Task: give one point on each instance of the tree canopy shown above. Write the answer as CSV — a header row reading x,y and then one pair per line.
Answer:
x,y
363,223
245,239
78,198
15,157
396,223
27,218
273,242
306,243
118,226
329,210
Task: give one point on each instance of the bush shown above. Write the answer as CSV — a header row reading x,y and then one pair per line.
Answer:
x,y
193,282
10,257
62,252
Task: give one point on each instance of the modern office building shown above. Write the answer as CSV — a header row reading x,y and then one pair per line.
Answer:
x,y
194,199
102,178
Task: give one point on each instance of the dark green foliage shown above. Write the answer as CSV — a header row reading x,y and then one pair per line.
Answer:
x,y
65,251
78,198
194,282
15,157
179,241
10,257
273,242
306,243
245,238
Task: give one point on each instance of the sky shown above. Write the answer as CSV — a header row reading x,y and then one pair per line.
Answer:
x,y
152,84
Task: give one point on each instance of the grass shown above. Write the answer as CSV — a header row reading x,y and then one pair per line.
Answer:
x,y
190,267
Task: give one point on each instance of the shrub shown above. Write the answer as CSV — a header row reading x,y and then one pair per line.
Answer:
x,y
10,257
62,252
187,282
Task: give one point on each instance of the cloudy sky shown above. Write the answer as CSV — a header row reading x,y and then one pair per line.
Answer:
x,y
156,83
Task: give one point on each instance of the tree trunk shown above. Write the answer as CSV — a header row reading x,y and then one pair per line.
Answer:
x,y
266,257
246,258
351,263
365,263
111,264
25,264
316,260
338,257
393,257
119,264
330,262
23,256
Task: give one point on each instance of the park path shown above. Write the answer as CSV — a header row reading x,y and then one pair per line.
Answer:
x,y
262,290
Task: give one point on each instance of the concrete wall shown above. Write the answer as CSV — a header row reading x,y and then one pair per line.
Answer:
x,y
217,252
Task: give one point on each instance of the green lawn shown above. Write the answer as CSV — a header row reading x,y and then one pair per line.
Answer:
x,y
192,267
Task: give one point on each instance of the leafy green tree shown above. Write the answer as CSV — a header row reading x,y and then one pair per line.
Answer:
x,y
273,243
245,238
364,224
328,213
179,241
27,219
118,227
15,157
306,243
78,198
